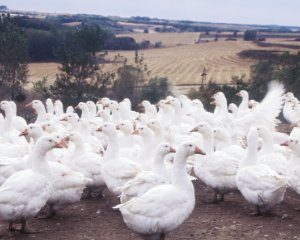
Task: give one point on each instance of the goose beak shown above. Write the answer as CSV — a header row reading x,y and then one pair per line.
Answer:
x,y
213,103
44,127
118,127
76,107
285,144
140,105
167,102
67,139
194,130
24,133
238,94
59,145
135,132
29,105
99,129
199,151
172,150
99,101
64,119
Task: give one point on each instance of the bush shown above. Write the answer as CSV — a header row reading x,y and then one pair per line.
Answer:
x,y
156,89
250,35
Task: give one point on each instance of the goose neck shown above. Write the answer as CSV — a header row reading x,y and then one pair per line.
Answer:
x,y
112,151
251,155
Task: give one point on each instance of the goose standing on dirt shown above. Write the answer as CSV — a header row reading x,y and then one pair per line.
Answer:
x,y
258,183
24,193
163,208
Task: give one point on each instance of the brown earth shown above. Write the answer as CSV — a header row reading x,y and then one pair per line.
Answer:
x,y
95,219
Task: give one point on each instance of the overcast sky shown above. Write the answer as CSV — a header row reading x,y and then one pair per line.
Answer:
x,y
281,12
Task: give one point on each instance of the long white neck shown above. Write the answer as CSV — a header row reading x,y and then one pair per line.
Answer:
x,y
79,146
268,144
41,114
112,151
251,156
245,103
180,178
8,120
208,143
37,161
159,167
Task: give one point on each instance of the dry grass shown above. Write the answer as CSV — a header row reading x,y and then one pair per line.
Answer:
x,y
182,61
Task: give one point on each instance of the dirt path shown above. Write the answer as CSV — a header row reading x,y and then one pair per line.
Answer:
x,y
94,219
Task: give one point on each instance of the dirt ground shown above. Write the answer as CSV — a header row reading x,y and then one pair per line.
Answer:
x,y
95,219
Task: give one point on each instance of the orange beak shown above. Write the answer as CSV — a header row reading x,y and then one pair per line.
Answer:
x,y
99,101
199,151
135,132
285,144
238,94
213,103
76,107
140,105
29,105
24,133
64,119
194,129
172,150
67,139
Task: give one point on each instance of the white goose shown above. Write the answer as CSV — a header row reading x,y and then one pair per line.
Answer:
x,y
258,183
217,169
24,193
146,180
165,207
116,171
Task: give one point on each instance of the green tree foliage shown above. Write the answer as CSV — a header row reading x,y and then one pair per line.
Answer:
x,y
156,89
80,76
250,35
13,57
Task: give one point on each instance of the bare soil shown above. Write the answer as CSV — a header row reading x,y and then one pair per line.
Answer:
x,y
95,219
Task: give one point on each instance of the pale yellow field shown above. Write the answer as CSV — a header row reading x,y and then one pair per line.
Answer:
x,y
182,61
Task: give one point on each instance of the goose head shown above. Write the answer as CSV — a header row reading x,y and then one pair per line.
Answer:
x,y
197,104
5,106
50,105
58,107
252,104
219,99
108,129
143,131
49,127
37,105
92,107
243,94
203,128
81,106
32,130
164,149
47,143
155,126
263,132
294,145
221,134
187,149
104,102
13,107
125,126
232,108
71,118
174,102
145,104
70,109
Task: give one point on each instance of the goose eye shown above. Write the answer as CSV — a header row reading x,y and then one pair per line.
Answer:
x,y
292,140
50,140
190,145
31,127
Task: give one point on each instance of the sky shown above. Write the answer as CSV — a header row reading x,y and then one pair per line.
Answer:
x,y
279,12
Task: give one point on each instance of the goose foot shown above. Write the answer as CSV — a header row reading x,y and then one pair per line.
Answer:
x,y
87,194
221,197
257,213
215,200
25,230
11,229
50,213
158,236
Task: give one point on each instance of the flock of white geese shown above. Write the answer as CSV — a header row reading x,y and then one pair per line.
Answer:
x,y
149,159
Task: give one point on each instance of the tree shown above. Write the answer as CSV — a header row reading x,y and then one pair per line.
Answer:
x,y
13,57
250,35
156,89
80,76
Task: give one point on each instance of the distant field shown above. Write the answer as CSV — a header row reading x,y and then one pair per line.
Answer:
x,y
182,61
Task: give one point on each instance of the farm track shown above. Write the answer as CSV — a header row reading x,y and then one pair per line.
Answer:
x,y
95,219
